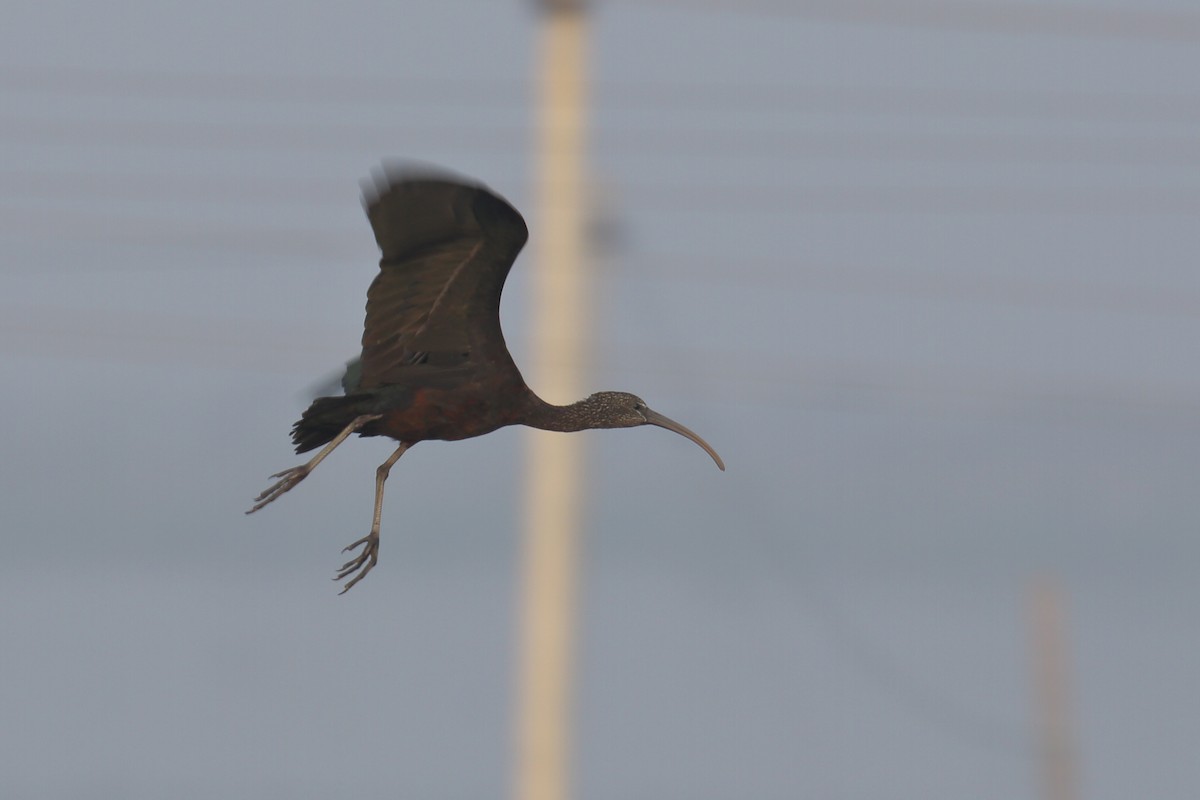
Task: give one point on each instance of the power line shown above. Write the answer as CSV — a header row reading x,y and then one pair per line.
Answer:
x,y
918,200
197,188
920,697
489,93
258,87
733,200
713,144
779,142
317,246
1007,18
880,281
171,231
273,136
905,101
249,344
748,142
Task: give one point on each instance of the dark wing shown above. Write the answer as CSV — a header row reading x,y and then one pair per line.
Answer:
x,y
435,305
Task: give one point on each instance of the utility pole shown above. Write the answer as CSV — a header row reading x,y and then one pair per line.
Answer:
x,y
553,501
1050,673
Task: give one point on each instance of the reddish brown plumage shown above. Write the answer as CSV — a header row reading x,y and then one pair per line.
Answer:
x,y
469,409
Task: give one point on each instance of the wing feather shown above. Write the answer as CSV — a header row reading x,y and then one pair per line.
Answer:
x,y
434,307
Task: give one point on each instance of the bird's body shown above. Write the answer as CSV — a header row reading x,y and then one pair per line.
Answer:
x,y
412,413
434,364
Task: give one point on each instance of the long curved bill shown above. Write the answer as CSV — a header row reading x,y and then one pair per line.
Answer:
x,y
655,418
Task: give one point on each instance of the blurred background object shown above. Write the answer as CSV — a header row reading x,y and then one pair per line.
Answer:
x,y
923,272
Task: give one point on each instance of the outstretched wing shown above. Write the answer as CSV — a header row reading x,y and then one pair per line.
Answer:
x,y
435,305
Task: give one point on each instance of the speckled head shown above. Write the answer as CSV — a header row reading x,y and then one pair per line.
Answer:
x,y
625,410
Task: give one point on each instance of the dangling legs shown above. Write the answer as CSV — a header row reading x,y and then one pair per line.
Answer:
x,y
369,557
290,477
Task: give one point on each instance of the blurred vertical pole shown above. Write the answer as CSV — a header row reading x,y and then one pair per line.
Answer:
x,y
553,495
1050,684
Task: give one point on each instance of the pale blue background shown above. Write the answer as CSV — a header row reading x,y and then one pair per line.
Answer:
x,y
924,273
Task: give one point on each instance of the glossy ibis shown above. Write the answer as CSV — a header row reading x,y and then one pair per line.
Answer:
x,y
434,364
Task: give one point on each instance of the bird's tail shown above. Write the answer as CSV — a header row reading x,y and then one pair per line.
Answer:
x,y
325,419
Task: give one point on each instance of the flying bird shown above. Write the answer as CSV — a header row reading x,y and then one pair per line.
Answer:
x,y
434,364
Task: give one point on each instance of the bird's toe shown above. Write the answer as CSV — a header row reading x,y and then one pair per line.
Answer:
x,y
362,563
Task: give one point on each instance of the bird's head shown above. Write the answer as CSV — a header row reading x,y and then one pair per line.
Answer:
x,y
625,410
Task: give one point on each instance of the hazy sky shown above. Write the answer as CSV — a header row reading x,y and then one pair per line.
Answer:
x,y
923,273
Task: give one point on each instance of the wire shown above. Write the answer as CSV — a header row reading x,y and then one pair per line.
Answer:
x,y
747,143
173,232
1008,18
800,575
731,200
779,142
880,281
248,344
486,93
258,87
209,135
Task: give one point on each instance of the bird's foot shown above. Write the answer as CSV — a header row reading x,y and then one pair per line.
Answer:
x,y
287,479
361,563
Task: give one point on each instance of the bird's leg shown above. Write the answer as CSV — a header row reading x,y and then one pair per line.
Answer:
x,y
369,557
290,477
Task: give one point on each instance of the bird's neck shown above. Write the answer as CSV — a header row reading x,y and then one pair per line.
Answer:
x,y
549,417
